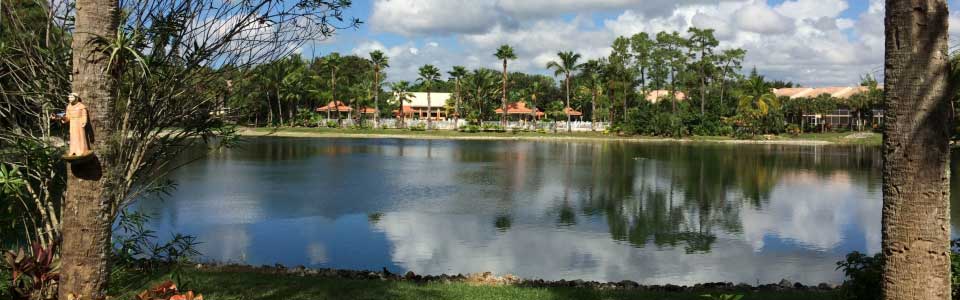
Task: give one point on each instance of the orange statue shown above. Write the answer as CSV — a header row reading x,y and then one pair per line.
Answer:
x,y
76,115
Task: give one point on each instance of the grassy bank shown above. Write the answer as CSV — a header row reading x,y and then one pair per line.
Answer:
x,y
249,284
870,139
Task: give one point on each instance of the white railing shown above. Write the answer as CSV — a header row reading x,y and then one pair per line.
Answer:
x,y
448,124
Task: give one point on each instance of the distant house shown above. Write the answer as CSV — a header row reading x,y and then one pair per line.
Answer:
x,y
417,107
843,116
655,96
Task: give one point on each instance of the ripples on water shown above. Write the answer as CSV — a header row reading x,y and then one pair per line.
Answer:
x,y
653,213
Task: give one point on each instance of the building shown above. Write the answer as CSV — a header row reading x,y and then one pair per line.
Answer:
x,y
655,96
843,116
417,107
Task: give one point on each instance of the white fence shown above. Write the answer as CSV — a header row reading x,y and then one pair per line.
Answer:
x,y
449,124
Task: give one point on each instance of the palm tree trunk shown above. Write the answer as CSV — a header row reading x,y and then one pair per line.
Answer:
x,y
456,116
916,187
279,108
569,128
503,100
87,211
429,111
376,96
593,111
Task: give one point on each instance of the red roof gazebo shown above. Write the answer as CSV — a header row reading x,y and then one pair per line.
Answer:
x,y
520,108
335,106
570,112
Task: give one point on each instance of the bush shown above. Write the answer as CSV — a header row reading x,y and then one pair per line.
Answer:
x,y
418,127
470,128
864,274
793,130
332,124
493,128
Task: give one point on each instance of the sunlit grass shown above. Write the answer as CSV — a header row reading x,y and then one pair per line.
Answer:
x,y
223,285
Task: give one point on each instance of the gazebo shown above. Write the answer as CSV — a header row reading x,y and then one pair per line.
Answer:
x,y
335,106
520,109
571,112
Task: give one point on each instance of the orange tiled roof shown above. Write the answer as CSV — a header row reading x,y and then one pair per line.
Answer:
x,y
339,106
569,111
518,108
842,92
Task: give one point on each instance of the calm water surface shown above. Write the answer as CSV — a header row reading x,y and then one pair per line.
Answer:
x,y
653,213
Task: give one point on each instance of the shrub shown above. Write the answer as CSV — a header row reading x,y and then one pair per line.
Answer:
x,y
332,124
864,274
35,273
793,129
418,127
493,128
470,128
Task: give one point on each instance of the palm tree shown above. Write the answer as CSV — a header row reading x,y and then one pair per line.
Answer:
x,y
457,73
428,75
481,85
333,62
533,93
593,69
567,65
504,53
757,102
86,228
916,152
380,61
401,94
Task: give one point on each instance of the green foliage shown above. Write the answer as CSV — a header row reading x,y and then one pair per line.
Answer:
x,y
34,272
864,274
332,124
492,128
722,297
470,128
418,127
136,250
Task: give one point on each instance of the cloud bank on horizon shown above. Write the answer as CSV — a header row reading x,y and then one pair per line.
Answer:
x,y
810,42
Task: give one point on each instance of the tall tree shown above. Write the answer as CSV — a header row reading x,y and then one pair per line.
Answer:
x,y
86,225
504,53
621,68
457,74
380,61
566,66
641,47
701,44
333,62
429,75
728,62
916,152
401,94
593,70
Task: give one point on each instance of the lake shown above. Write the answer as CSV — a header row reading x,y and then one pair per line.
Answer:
x,y
654,213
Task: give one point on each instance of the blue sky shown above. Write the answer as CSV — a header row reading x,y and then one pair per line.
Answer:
x,y
812,42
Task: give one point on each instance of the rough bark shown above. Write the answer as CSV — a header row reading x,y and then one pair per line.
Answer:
x,y
916,202
503,115
87,209
569,118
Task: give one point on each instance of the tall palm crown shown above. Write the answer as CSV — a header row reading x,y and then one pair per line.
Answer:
x,y
504,53
379,61
457,74
428,75
567,65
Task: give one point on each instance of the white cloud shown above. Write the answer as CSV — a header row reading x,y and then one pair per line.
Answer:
x,y
760,18
805,41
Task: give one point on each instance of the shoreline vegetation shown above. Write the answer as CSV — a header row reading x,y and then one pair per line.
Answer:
x,y
279,282
811,139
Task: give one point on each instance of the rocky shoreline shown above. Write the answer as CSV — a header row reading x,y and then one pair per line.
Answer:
x,y
488,278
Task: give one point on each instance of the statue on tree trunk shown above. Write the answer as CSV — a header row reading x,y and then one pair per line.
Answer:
x,y
76,115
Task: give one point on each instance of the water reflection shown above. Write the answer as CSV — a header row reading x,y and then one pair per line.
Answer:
x,y
655,213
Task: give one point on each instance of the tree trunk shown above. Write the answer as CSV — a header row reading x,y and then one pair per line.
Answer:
x,y
503,115
916,187
87,212
569,128
429,111
593,111
279,108
376,97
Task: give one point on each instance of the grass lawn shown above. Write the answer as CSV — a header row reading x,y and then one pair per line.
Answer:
x,y
226,285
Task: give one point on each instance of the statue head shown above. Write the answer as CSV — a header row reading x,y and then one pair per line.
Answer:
x,y
73,98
